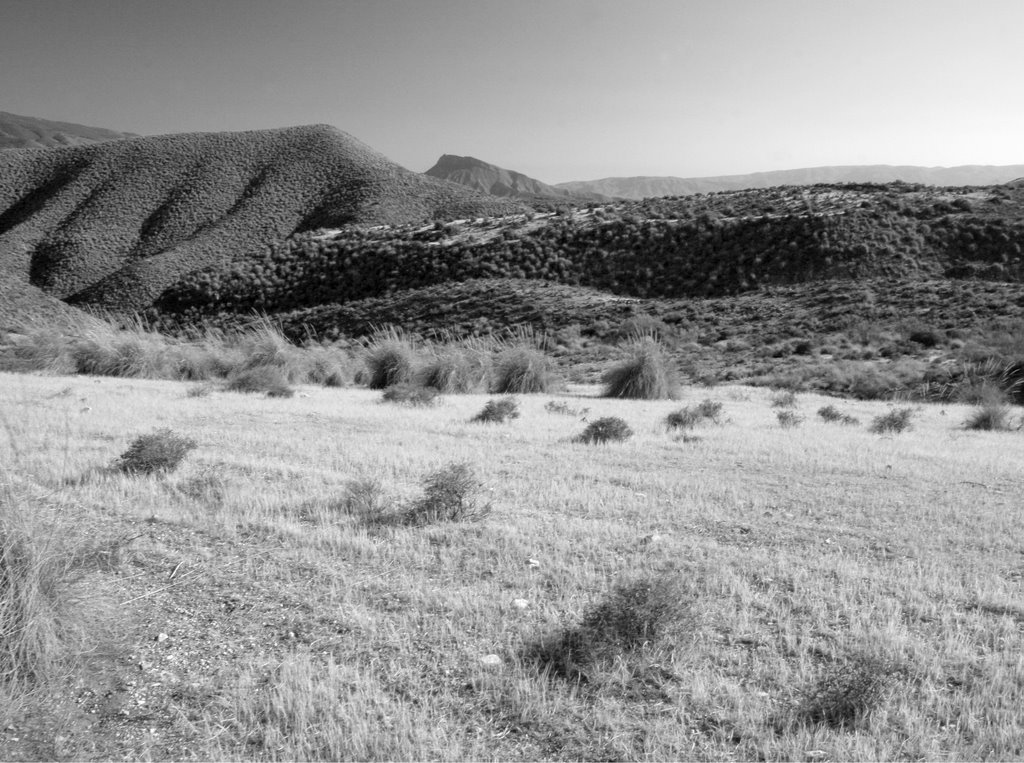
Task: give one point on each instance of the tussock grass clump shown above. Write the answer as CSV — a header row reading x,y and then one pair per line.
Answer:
x,y
269,380
689,417
895,421
646,375
991,416
159,452
833,415
846,692
607,429
637,615
789,419
390,360
498,411
456,370
42,621
410,394
450,494
523,370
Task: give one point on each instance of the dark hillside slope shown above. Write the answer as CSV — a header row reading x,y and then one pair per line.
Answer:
x,y
702,246
29,132
115,224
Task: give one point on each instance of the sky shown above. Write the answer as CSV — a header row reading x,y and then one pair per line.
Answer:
x,y
558,89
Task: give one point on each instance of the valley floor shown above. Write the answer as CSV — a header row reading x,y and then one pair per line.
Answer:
x,y
247,610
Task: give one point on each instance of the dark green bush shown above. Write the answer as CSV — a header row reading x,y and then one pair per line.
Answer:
x,y
789,419
390,363
410,394
161,451
846,692
450,494
687,418
269,380
991,416
832,414
498,411
895,421
607,429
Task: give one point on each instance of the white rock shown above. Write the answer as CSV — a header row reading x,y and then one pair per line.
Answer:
x,y
520,603
161,637
490,661
532,563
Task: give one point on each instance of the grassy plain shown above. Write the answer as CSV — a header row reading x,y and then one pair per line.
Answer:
x,y
253,614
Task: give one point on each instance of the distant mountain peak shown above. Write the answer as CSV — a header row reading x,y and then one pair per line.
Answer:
x,y
489,178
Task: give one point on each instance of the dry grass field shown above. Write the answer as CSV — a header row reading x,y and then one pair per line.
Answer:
x,y
739,589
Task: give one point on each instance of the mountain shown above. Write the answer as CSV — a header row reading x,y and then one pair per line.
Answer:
x,y
497,181
117,223
29,132
646,187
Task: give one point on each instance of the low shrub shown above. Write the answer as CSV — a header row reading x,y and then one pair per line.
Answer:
x,y
410,394
784,398
846,692
523,370
833,415
646,375
564,409
159,452
450,494
789,419
364,498
607,429
687,418
992,416
270,380
498,411
895,421
637,615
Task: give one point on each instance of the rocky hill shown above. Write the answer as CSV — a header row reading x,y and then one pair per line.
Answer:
x,y
29,132
644,187
115,224
497,181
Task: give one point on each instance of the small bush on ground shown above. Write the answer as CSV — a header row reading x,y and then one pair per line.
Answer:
x,y
846,692
363,498
498,411
992,416
647,375
410,394
789,419
637,615
896,420
784,398
450,494
158,452
687,418
269,380
523,370
607,429
833,415
564,409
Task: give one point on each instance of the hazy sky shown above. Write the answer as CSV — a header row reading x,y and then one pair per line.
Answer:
x,y
558,89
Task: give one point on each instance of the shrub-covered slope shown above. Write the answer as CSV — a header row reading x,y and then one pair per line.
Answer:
x,y
701,246
115,224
